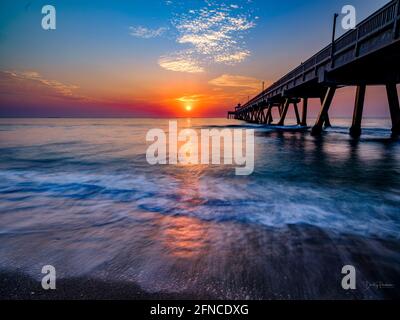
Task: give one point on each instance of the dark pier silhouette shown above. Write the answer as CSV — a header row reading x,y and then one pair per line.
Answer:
x,y
366,55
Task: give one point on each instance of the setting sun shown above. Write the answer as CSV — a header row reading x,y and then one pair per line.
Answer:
x,y
188,108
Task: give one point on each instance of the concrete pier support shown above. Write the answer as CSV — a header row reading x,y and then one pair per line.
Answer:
x,y
253,115
317,129
284,113
268,118
394,107
296,111
266,113
261,117
304,112
259,114
355,130
327,121
280,108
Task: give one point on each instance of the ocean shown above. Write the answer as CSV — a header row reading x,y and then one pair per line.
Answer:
x,y
79,194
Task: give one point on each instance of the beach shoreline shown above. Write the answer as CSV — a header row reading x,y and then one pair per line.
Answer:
x,y
16,285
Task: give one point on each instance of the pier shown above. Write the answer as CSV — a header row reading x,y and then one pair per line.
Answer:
x,y
368,55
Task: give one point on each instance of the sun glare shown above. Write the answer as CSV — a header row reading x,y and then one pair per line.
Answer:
x,y
188,108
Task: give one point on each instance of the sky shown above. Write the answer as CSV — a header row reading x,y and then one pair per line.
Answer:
x,y
165,58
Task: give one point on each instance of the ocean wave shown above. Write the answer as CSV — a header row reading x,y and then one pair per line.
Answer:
x,y
272,204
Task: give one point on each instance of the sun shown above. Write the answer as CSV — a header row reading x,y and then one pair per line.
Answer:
x,y
188,108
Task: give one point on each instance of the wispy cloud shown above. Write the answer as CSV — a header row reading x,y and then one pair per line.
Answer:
x,y
232,58
213,33
191,98
236,87
32,82
236,81
180,62
146,33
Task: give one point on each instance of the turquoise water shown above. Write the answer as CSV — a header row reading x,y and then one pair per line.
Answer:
x,y
79,194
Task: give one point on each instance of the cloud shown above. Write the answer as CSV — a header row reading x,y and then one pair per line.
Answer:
x,y
146,33
214,33
191,98
236,81
180,62
31,82
233,58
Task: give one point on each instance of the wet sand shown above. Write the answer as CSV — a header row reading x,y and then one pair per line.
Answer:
x,y
301,262
18,286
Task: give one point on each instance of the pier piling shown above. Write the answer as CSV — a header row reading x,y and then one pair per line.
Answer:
x,y
323,116
296,111
284,112
394,107
304,112
355,130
